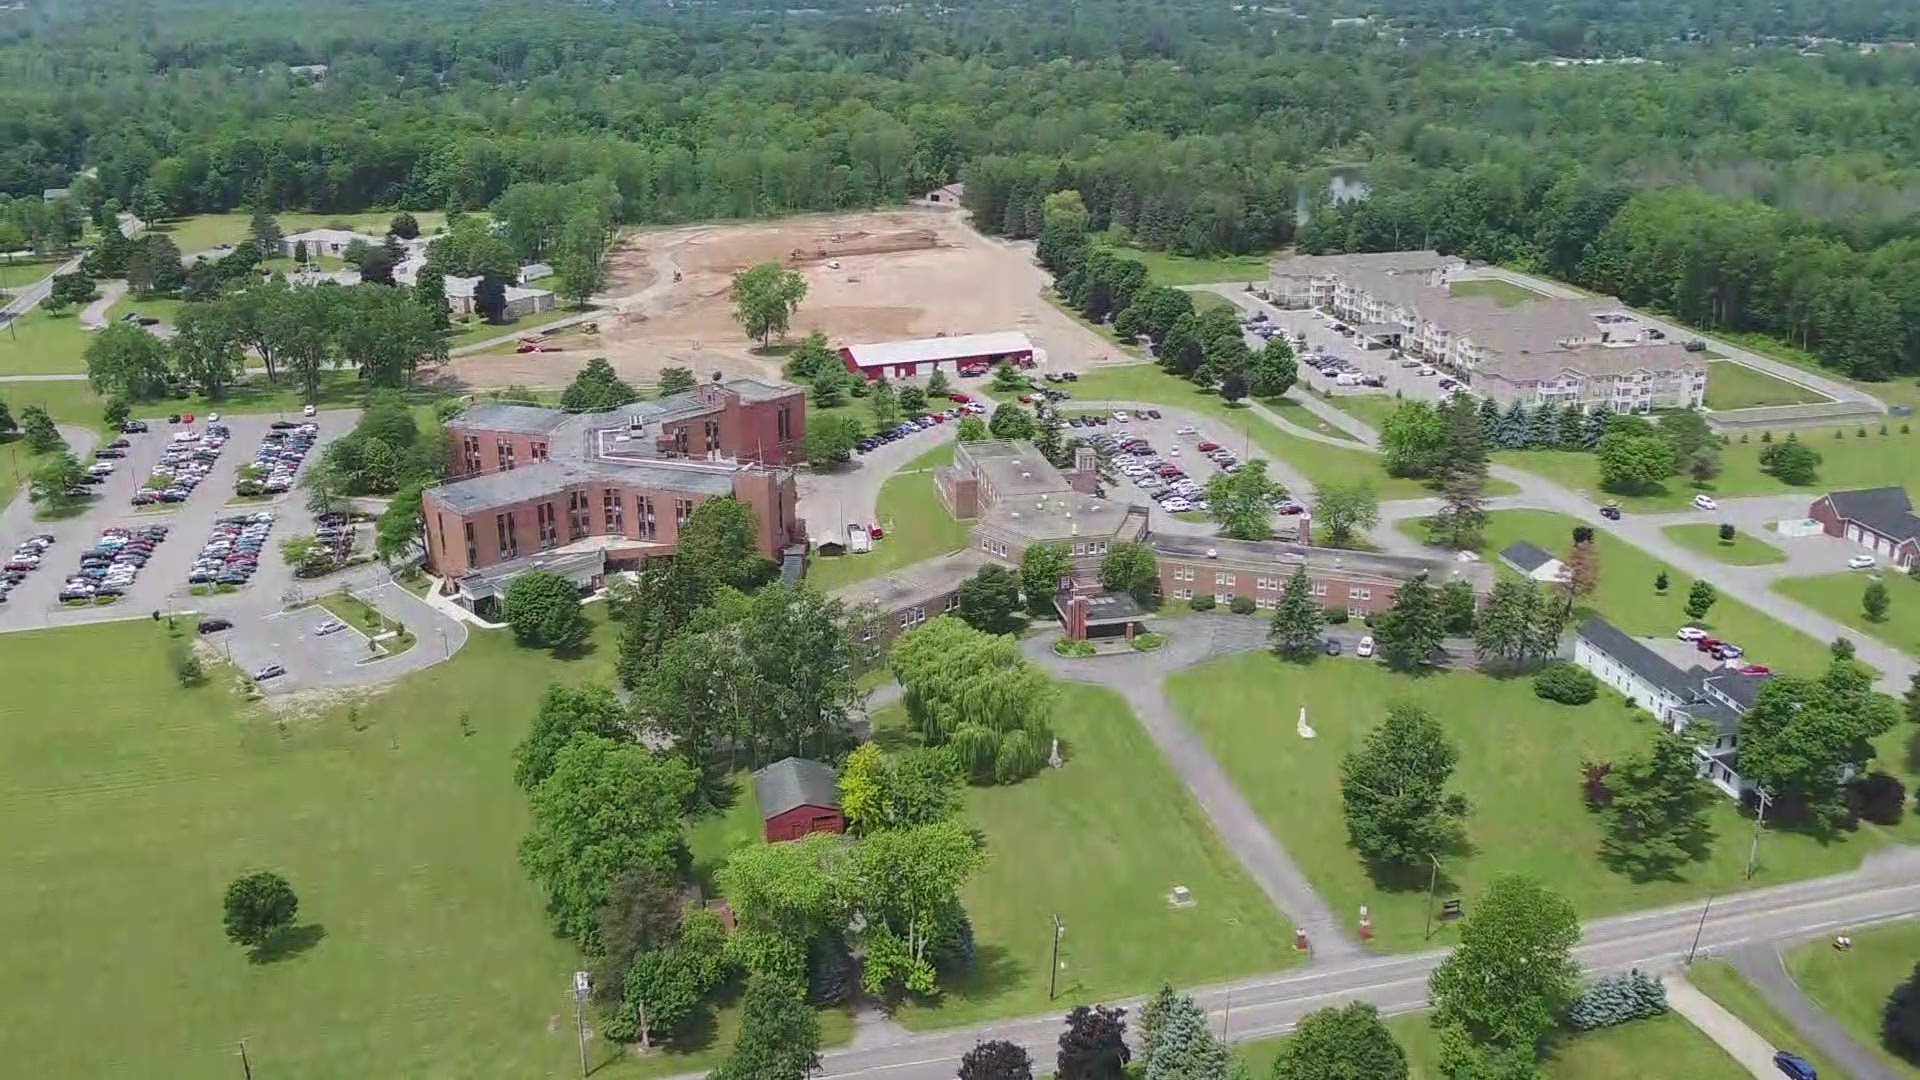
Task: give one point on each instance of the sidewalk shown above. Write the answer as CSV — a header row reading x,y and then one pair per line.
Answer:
x,y
1743,1044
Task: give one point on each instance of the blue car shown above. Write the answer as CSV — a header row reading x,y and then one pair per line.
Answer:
x,y
1794,1066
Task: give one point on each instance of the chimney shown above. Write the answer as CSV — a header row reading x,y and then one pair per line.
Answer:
x,y
1306,529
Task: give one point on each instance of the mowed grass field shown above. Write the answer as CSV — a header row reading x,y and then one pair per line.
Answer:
x,y
1838,596
1718,980
1852,986
1733,385
1499,290
916,523
1100,842
1166,268
42,342
202,231
1662,1047
1745,549
131,803
1854,460
16,273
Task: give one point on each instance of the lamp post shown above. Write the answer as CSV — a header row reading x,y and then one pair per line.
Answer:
x,y
1753,851
1053,968
1433,881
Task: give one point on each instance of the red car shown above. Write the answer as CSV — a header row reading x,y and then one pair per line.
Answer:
x,y
876,532
186,418
1756,669
939,418
1026,399
1707,644
960,398
1208,448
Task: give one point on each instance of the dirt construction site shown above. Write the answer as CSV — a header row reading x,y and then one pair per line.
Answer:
x,y
876,276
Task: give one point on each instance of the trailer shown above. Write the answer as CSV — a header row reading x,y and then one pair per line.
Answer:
x,y
859,541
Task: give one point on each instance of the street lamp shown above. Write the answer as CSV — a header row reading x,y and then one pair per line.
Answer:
x,y
1433,880
1053,969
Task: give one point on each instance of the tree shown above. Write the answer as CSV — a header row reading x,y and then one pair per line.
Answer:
x,y
1042,568
207,348
1132,569
564,712
1661,581
69,289
1459,607
779,1034
300,253
907,882
606,808
38,431
642,915
53,478
1791,461
1409,633
597,388
1010,421
1631,464
153,265
490,296
1294,632
584,243
996,1059
676,380
913,401
544,611
918,787
404,226
976,694
203,282
1874,601
1656,820
258,907
1583,566
883,404
989,601
1910,701
116,413
1342,509
1242,502
662,987
1007,379
1462,518
1512,974
1346,1043
402,524
970,430
126,361
430,292
1272,371
1804,737
937,384
1700,598
1520,625
1413,440
828,389
666,598
765,298
1233,386
1393,792
1900,1019
1047,438
1094,1045
830,441
1182,1045
721,542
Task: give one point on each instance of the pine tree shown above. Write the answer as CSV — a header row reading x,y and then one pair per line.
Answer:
x,y
1410,632
1657,819
1911,701
1573,423
1184,1047
1295,631
1490,421
1514,428
1543,429
1596,426
1046,438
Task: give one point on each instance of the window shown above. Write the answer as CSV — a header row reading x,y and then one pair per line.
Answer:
x,y
682,510
543,519
578,524
503,454
643,515
1079,549
509,538
680,441
470,453
1183,594
953,602
613,509
473,549
866,634
1359,593
1319,588
1356,613
1183,573
537,451
713,435
912,617
1098,547
783,423
1221,577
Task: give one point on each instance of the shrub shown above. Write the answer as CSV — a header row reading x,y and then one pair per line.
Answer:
x,y
1593,783
1020,755
1066,647
1878,797
1900,1019
1203,602
1617,999
186,664
1566,684
1148,642
1241,605
1335,616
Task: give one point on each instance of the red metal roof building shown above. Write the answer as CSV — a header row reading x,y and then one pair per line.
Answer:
x,y
966,354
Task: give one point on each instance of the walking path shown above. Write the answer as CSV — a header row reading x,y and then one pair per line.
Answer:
x,y
1139,679
1761,964
1743,1044
94,315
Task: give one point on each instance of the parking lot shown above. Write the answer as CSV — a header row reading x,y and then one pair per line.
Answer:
x,y
1396,377
293,641
161,584
1171,445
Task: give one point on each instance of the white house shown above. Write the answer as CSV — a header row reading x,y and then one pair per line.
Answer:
x,y
520,302
329,242
1535,563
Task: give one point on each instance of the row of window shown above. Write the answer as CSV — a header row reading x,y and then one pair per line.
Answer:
x,y
1261,603
1270,584
579,522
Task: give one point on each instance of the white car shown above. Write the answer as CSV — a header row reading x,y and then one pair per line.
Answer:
x,y
1703,502
1860,562
1184,429
1120,416
331,626
307,410
1690,633
1178,506
1425,371
1173,451
1365,648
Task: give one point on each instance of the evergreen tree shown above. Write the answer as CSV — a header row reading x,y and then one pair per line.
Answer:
x,y
1294,633
1910,702
1409,633
1184,1047
1543,429
1046,437
1514,428
1573,424
1594,427
1657,819
1490,421
779,1034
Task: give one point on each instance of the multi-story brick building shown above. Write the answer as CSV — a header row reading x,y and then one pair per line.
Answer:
x,y
536,488
1361,582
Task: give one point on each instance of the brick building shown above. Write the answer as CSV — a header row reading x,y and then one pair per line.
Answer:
x,y
1361,582
1878,519
531,486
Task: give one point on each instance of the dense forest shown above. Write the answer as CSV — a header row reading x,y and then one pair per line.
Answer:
x,y
1753,168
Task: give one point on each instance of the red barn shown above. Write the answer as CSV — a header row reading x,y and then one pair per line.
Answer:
x,y
797,797
968,354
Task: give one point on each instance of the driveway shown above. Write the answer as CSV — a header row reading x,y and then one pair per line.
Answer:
x,y
1761,965
828,500
269,635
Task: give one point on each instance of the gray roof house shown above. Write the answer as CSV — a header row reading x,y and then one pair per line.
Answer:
x,y
1534,562
798,796
1715,699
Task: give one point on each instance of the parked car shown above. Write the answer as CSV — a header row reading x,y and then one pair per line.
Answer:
x,y
1365,648
271,671
331,626
1690,633
1756,669
1330,647
1794,1066
1704,502
1861,561
1611,511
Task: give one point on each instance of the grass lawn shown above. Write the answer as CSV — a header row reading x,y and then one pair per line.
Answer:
x,y
1852,987
1664,1046
1519,768
202,231
1320,463
1370,409
1718,980
1737,386
917,526
1304,417
1850,461
1499,290
1743,550
470,329
1166,268
367,619
1104,330
15,275
431,956
1838,597
1899,391
1100,843
43,343
1204,302
711,839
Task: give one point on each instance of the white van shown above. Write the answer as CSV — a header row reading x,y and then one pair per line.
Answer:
x,y
1347,378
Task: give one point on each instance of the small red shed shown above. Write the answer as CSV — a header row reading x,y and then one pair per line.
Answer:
x,y
798,796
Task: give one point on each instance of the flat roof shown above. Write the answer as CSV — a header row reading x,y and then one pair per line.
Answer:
x,y
922,350
530,482
1287,554
1106,608
519,419
1060,516
913,584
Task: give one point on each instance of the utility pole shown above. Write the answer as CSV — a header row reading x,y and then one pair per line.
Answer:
x,y
582,983
1753,851
1433,880
1053,968
1698,927
246,1067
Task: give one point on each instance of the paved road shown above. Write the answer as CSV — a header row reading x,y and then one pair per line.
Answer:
x,y
27,297
1887,886
1743,1044
1761,964
1139,679
828,500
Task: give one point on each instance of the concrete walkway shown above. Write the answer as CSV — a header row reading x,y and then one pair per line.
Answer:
x,y
1743,1044
1762,965
1139,679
